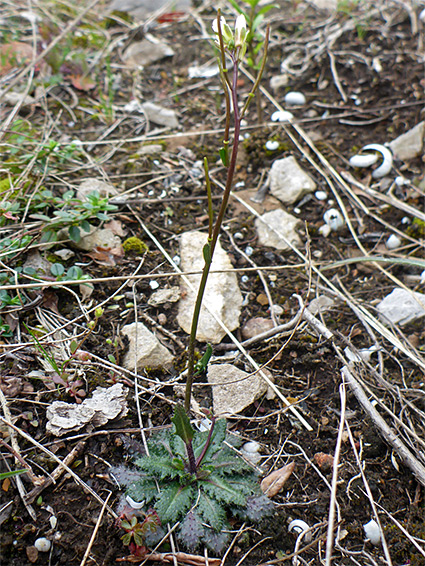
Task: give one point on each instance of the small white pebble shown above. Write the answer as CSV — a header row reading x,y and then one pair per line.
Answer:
x,y
297,210
334,219
405,220
400,181
295,99
423,278
42,544
277,310
372,532
238,236
153,285
393,242
281,116
298,526
324,230
272,145
321,195
249,250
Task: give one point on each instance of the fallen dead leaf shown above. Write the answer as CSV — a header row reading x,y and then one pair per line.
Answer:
x,y
274,482
14,54
81,82
107,256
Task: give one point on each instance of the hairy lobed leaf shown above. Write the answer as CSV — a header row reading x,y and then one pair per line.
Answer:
x,y
160,467
216,542
224,491
143,489
173,502
211,511
257,508
191,530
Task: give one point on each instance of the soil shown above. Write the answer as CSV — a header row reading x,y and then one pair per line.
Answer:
x,y
377,64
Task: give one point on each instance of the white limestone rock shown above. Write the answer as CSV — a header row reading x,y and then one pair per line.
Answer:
x,y
283,223
92,184
160,115
103,238
409,145
233,389
222,294
288,182
146,52
145,350
402,307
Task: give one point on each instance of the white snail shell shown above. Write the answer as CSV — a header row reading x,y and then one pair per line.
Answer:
x,y
299,526
281,116
366,160
387,162
42,544
393,242
334,219
295,99
272,145
134,504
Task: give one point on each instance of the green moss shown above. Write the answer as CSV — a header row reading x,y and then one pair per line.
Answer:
x,y
134,246
416,229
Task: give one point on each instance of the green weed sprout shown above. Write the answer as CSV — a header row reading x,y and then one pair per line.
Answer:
x,y
193,478
255,39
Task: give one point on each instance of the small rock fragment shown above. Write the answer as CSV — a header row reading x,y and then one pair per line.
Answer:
x,y
160,115
373,532
409,145
233,389
145,350
171,295
402,307
288,182
103,238
281,222
320,304
32,554
324,461
146,52
222,293
256,326
92,184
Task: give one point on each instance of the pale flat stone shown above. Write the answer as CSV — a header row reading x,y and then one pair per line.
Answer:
x,y
402,307
281,221
233,389
92,184
409,145
142,9
145,350
146,52
103,238
171,295
160,115
222,293
288,182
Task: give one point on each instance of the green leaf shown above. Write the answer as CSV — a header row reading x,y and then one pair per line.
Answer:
x,y
174,502
74,273
224,155
160,467
74,233
85,225
57,269
74,346
182,423
238,8
206,251
5,475
267,8
211,512
203,362
224,490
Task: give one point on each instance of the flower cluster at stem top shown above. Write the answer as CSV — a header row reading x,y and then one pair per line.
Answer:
x,y
235,42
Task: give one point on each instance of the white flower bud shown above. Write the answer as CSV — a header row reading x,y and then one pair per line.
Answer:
x,y
240,30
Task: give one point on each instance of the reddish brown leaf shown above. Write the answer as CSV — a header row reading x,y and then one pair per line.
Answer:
x,y
81,82
14,54
274,482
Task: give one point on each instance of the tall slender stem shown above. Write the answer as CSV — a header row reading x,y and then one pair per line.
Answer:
x,y
212,243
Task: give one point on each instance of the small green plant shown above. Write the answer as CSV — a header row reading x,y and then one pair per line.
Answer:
x,y
196,478
5,475
61,376
136,531
190,477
